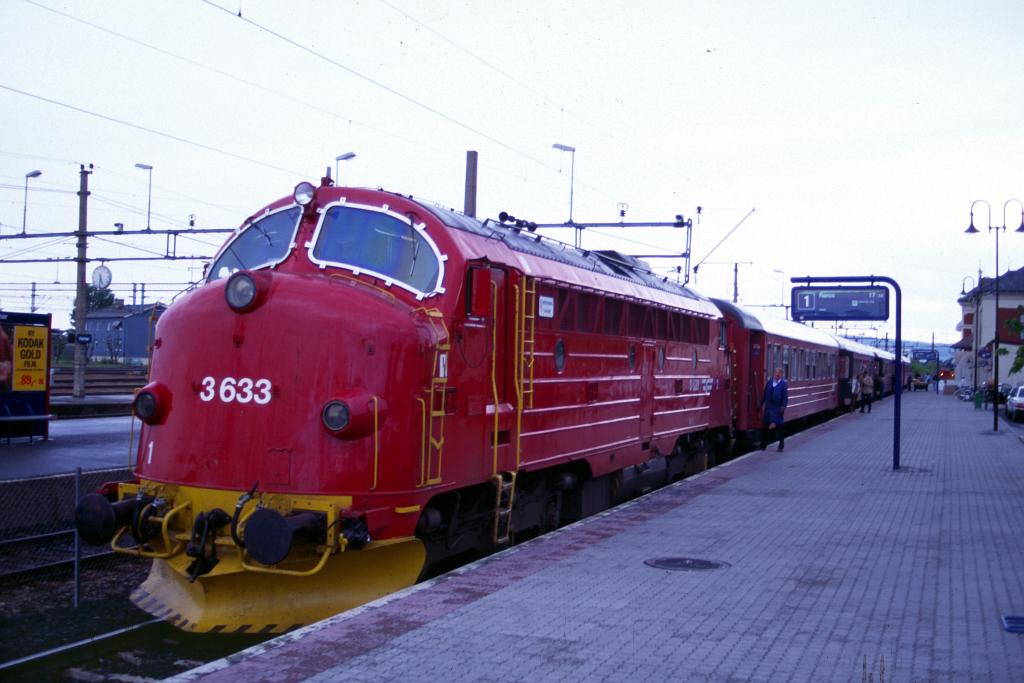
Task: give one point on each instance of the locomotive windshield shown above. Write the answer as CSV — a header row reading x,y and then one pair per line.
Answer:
x,y
265,242
378,242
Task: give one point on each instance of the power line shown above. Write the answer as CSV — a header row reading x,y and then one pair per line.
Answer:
x,y
411,100
152,131
418,143
561,108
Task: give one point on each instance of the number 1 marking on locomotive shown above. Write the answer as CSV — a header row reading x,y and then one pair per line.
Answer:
x,y
149,454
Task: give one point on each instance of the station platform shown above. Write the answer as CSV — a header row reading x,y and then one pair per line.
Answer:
x,y
818,563
66,407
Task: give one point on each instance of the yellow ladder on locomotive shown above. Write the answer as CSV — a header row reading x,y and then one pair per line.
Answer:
x,y
527,335
505,493
432,446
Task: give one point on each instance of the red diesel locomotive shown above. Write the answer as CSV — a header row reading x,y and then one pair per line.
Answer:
x,y
367,386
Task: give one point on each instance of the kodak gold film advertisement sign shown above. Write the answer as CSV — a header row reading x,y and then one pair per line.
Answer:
x,y
30,354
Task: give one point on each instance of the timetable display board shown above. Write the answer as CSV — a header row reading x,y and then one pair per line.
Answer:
x,y
840,303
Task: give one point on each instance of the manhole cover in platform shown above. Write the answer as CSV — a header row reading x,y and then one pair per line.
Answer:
x,y
1013,624
684,564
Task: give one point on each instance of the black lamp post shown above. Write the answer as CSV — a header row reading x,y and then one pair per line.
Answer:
x,y
995,337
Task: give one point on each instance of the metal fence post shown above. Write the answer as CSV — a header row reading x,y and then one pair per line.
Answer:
x,y
78,541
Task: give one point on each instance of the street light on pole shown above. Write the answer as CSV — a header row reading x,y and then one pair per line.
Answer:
x,y
341,157
149,199
995,337
24,210
572,170
974,327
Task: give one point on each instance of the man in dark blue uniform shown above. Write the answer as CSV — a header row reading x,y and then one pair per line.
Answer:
x,y
775,400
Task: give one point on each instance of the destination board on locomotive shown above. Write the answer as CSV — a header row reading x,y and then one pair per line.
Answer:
x,y
840,303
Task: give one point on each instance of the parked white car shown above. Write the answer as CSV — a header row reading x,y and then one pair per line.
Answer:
x,y
1015,402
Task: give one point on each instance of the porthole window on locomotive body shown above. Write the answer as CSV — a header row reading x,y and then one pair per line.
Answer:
x,y
632,357
661,358
559,356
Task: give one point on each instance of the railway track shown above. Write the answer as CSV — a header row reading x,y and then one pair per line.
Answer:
x,y
52,552
149,650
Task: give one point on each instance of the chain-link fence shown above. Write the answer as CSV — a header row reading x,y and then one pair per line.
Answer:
x,y
43,566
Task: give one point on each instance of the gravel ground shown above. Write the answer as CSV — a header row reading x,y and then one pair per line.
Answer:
x,y
39,615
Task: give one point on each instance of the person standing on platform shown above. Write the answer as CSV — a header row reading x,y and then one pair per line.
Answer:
x,y
774,401
867,391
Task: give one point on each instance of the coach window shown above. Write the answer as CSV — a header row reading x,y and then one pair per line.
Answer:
x,y
559,356
661,358
613,316
721,334
379,242
695,359
632,356
785,362
263,243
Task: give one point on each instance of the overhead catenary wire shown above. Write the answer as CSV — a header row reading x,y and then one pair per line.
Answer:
x,y
735,227
397,93
419,143
153,131
639,151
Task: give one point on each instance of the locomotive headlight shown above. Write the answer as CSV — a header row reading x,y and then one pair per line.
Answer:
x,y
240,291
145,405
304,193
245,290
152,403
352,414
335,415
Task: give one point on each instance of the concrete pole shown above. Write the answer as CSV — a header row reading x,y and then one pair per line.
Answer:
x,y
82,296
470,202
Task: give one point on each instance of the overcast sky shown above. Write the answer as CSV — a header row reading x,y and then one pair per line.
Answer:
x,y
859,132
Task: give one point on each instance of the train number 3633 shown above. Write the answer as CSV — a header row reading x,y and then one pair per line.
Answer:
x,y
240,390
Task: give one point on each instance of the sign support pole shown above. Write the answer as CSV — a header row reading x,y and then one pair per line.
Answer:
x,y
872,279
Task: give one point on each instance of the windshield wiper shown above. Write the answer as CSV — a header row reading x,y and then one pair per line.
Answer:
x,y
415,242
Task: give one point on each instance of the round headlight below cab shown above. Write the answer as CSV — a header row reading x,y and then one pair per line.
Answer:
x,y
304,193
240,291
336,416
152,403
145,406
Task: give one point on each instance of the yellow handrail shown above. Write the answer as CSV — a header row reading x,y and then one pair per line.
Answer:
x,y
287,572
376,441
165,522
494,369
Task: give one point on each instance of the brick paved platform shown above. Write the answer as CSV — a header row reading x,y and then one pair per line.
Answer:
x,y
838,569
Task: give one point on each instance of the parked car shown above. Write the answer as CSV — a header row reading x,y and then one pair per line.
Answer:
x,y
1015,402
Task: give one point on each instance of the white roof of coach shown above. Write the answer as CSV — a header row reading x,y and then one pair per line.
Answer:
x,y
798,331
864,349
779,327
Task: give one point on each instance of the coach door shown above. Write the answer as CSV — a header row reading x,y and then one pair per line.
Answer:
x,y
648,362
482,346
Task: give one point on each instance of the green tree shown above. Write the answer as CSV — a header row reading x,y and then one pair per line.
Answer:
x,y
1018,327
96,299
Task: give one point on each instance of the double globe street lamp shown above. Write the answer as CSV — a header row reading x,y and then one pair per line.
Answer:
x,y
995,338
